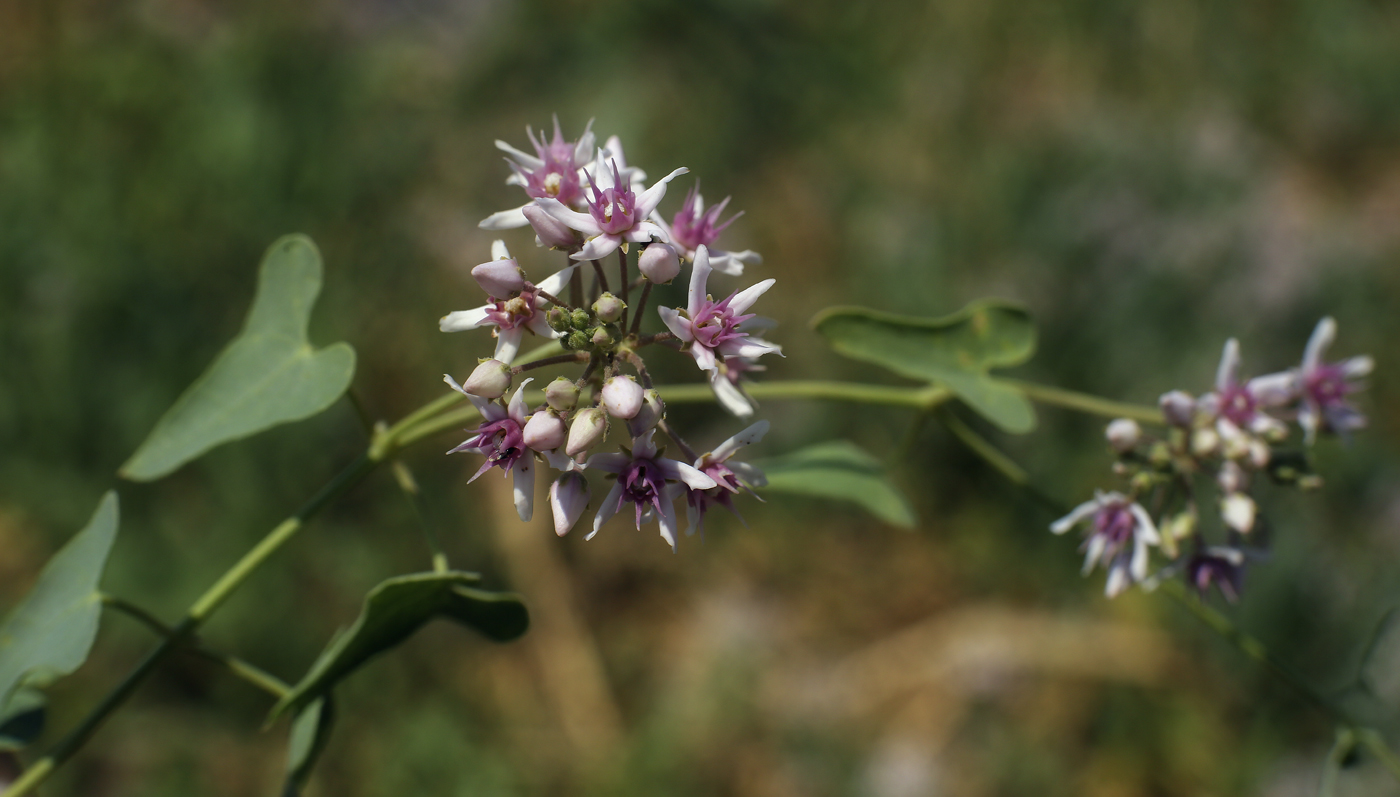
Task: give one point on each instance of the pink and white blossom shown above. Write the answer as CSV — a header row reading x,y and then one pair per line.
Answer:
x,y
1238,408
1324,387
510,315
729,476
641,481
693,227
568,497
616,213
501,439
556,171
711,330
1120,532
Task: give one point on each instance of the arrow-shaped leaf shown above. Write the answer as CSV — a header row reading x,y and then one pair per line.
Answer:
x,y
393,611
49,634
839,470
268,375
956,351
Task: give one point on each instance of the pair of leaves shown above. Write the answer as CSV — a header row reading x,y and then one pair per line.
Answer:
x,y
842,471
268,375
50,633
392,612
956,351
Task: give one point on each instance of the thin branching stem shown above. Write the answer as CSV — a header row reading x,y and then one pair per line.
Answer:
x,y
571,357
602,278
623,281
641,305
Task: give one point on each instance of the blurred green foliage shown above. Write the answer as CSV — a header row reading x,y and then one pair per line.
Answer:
x,y
1149,178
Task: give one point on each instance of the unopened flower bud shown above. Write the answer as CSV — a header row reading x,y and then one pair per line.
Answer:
x,y
561,394
580,319
545,431
558,319
601,338
1178,407
499,278
568,497
1123,434
576,340
622,397
1231,477
608,308
651,413
659,263
552,232
1204,442
1238,511
491,379
589,427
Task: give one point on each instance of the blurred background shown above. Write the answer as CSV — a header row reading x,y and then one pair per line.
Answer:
x,y
1149,178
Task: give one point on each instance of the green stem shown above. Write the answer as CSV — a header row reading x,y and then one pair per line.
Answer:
x,y
409,487
1083,402
194,617
1346,742
911,397
250,673
981,447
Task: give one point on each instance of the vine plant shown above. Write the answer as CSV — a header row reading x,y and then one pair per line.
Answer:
x,y
1181,524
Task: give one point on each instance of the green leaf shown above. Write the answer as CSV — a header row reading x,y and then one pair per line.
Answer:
x,y
268,375
956,351
23,720
393,611
311,730
842,471
49,634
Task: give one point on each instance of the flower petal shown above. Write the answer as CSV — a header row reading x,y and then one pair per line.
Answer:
x,y
556,283
1077,514
1322,336
748,437
598,247
606,510
699,277
680,327
668,523
1229,364
523,488
679,471
525,159
743,300
518,408
505,220
650,198
582,222
731,397
508,344
462,320
609,463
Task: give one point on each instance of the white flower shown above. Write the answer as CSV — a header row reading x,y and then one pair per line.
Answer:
x,y
712,330
616,213
510,315
641,480
1120,532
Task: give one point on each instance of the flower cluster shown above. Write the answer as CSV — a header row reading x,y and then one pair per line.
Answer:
x,y
590,204
1218,444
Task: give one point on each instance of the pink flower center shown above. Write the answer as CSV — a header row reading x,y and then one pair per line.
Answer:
x,y
558,177
1115,522
692,230
503,442
1238,405
1327,385
511,313
615,209
642,484
715,323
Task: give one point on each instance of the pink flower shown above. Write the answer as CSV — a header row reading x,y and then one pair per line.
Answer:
x,y
510,315
556,171
641,481
616,213
694,227
1238,408
729,477
1119,533
1325,386
711,330
501,439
